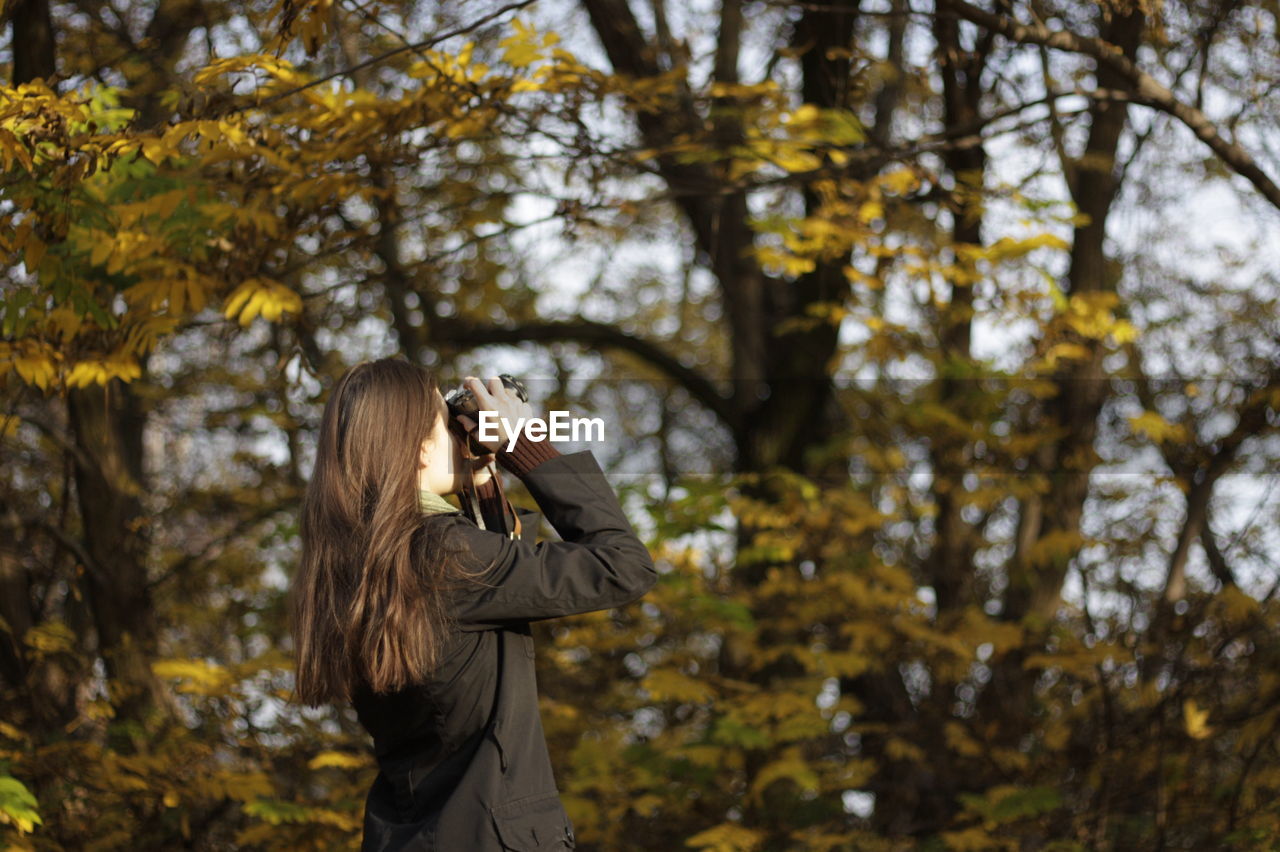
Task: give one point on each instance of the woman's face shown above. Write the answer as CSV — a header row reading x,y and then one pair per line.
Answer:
x,y
440,464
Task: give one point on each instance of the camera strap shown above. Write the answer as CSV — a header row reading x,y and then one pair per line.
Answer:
x,y
510,521
500,518
470,501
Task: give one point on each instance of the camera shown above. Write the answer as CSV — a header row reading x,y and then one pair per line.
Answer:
x,y
461,400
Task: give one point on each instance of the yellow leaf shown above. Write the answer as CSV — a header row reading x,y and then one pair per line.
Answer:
x,y
726,837
668,685
960,741
86,373
646,804
856,276
1067,351
973,839
1090,313
795,159
1195,719
91,371
805,114
156,151
11,149
141,338
1235,605
197,676
233,133
35,250
1155,427
777,260
842,663
164,204
1054,545
65,322
51,637
338,759
870,210
261,296
742,90
1008,248
522,49
526,84
900,749
740,168
102,247
899,181
790,766
1124,331
35,367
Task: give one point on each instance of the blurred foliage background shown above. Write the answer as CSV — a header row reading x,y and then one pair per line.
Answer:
x,y
937,344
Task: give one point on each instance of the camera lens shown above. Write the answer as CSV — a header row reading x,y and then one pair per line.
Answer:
x,y
461,400
515,385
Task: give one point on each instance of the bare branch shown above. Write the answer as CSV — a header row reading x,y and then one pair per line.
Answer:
x,y
593,333
217,545
1252,421
1217,562
404,48
1146,89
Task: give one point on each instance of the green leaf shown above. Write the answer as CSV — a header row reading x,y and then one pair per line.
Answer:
x,y
18,805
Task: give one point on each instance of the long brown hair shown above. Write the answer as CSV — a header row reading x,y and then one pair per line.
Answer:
x,y
366,603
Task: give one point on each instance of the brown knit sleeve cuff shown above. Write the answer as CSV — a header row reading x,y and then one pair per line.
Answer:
x,y
526,455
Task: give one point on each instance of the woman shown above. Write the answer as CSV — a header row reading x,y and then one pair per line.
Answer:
x,y
407,609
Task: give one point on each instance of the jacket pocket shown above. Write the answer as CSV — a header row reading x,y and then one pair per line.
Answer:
x,y
534,824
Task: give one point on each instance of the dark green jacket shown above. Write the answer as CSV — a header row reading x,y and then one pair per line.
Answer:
x,y
462,758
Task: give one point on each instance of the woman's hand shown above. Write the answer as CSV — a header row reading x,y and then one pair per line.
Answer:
x,y
508,411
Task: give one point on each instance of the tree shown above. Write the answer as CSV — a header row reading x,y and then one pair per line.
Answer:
x,y
928,618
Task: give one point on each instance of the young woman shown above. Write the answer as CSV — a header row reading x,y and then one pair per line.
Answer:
x,y
420,618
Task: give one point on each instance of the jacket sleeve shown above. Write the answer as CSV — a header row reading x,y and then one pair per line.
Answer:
x,y
599,564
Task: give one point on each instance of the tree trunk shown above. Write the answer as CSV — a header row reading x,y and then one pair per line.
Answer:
x,y
33,44
951,561
107,425
1036,590
1033,595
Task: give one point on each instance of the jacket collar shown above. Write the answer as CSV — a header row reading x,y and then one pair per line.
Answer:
x,y
433,504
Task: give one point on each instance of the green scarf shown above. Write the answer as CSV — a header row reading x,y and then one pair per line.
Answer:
x,y
433,504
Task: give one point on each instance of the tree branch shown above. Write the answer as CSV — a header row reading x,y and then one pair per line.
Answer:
x,y
630,54
404,48
1252,420
1217,562
216,545
462,333
1146,89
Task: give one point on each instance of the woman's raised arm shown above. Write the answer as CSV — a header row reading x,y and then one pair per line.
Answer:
x,y
599,564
